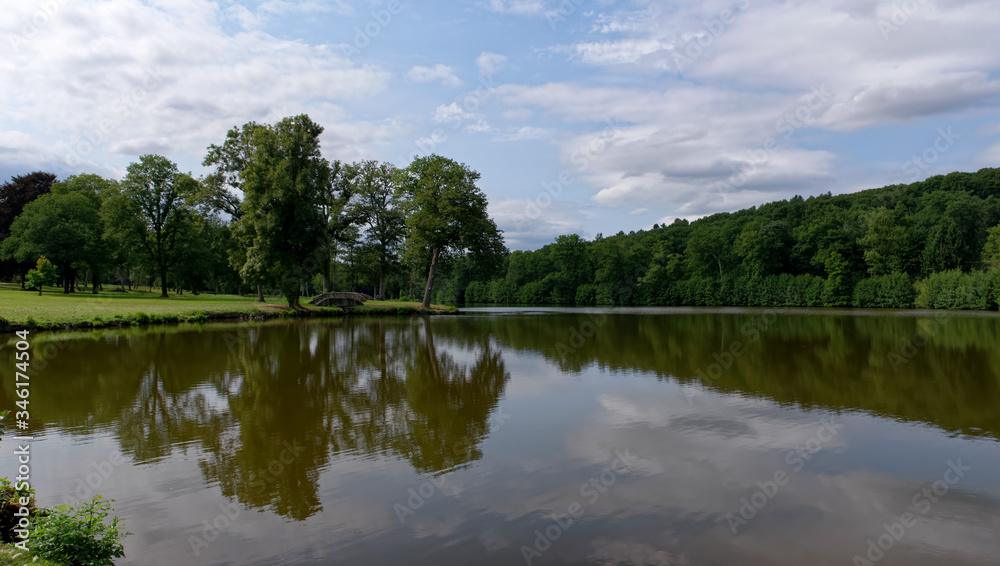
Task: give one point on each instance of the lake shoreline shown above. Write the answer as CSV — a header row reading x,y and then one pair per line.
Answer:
x,y
268,312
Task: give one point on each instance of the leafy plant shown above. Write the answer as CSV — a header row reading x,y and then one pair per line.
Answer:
x,y
77,535
10,504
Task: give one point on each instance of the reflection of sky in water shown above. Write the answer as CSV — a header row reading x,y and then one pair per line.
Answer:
x,y
697,452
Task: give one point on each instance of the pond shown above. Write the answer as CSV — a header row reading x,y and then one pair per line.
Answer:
x,y
532,436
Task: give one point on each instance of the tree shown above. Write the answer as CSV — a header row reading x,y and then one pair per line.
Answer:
x,y
284,185
43,274
991,251
97,190
377,205
884,242
157,192
837,288
64,227
761,245
707,250
230,162
446,215
14,196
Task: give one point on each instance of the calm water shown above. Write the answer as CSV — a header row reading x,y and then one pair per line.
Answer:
x,y
642,437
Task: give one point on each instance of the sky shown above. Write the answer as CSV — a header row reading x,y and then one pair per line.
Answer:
x,y
582,116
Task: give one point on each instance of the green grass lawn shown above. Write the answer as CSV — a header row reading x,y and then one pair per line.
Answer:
x,y
82,308
52,306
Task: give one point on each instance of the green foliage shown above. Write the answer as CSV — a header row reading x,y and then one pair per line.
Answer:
x,y
893,291
991,250
446,216
884,241
837,287
956,290
152,210
586,294
43,274
65,227
78,535
285,185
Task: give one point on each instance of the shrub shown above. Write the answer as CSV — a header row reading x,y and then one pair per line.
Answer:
x,y
502,291
77,535
534,293
586,294
893,291
476,292
10,504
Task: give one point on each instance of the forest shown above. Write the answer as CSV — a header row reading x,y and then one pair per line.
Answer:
x,y
930,244
273,216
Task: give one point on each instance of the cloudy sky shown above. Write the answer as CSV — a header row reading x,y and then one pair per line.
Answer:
x,y
583,116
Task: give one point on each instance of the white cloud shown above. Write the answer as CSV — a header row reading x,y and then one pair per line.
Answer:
x,y
522,133
451,113
127,75
518,7
439,72
527,225
490,63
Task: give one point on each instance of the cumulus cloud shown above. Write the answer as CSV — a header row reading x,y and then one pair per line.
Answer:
x,y
439,72
134,76
490,63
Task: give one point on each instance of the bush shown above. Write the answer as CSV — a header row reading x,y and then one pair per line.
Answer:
x,y
476,292
534,293
586,294
501,291
893,291
77,535
10,504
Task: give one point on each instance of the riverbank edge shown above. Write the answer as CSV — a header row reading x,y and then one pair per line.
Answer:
x,y
144,319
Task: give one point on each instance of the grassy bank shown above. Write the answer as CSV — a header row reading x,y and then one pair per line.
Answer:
x,y
13,556
53,310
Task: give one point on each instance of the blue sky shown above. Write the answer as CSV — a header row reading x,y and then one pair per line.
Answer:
x,y
583,116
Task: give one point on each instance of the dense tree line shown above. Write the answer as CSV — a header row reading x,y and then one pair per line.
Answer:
x,y
274,215
934,243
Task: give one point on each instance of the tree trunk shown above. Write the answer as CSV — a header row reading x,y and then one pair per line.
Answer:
x,y
326,271
260,293
95,281
430,280
381,288
163,280
66,280
22,279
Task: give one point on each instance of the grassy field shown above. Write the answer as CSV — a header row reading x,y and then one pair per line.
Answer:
x,y
52,308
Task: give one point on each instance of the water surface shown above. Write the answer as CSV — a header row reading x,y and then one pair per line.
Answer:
x,y
541,436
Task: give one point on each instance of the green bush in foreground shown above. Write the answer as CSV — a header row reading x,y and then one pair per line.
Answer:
x,y
76,535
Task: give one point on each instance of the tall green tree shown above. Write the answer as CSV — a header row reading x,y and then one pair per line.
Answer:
x,y
223,190
884,241
14,195
991,250
64,227
446,215
158,194
376,205
284,185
